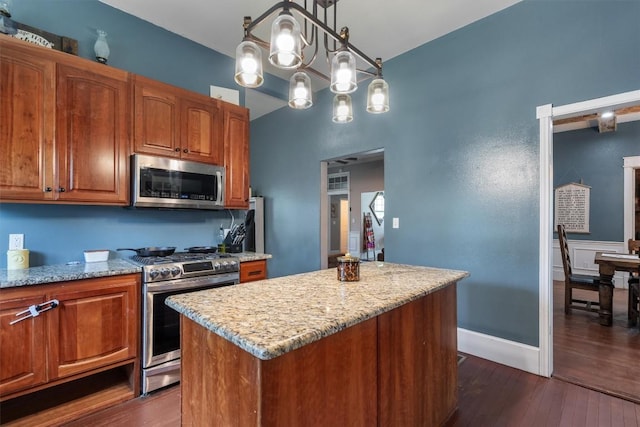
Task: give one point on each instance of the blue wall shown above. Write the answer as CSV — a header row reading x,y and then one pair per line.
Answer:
x,y
596,159
461,150
461,146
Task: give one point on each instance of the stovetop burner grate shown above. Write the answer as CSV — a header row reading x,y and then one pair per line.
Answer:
x,y
177,257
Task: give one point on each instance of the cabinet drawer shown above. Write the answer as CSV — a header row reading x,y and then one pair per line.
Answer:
x,y
253,270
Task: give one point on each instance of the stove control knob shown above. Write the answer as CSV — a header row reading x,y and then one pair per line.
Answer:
x,y
153,274
164,272
217,266
175,271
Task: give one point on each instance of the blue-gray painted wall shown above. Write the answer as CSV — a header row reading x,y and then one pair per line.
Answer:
x,y
596,160
461,146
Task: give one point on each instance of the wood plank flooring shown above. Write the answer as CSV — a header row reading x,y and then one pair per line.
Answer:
x,y
586,353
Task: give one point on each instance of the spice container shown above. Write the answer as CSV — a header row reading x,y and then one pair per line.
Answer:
x,y
348,268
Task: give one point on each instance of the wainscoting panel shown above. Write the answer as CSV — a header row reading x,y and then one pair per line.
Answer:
x,y
582,253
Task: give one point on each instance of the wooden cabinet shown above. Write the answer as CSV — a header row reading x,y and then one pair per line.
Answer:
x,y
253,270
236,156
88,344
173,122
65,133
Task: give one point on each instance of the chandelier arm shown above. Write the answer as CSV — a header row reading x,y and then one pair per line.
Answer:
x,y
331,33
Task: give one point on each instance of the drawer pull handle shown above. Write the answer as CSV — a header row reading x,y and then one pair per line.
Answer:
x,y
255,272
35,310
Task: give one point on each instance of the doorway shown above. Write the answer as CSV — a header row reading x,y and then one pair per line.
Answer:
x,y
546,115
342,181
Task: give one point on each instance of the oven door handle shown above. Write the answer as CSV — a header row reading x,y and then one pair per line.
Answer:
x,y
218,280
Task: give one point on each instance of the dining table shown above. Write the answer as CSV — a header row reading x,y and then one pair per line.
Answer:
x,y
608,264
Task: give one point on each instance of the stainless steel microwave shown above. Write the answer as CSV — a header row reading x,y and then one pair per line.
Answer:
x,y
162,182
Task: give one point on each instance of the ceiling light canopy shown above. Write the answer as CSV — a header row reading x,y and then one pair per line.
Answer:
x,y
292,38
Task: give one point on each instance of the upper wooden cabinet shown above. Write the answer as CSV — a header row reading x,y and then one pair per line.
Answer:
x,y
236,156
173,122
65,132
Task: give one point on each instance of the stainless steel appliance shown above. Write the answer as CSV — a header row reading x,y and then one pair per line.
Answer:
x,y
165,276
162,182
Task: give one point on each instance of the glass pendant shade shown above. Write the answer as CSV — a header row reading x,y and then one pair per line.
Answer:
x,y
343,72
248,65
101,48
286,44
342,109
378,97
300,91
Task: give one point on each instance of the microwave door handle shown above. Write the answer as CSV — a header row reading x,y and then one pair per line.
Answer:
x,y
218,195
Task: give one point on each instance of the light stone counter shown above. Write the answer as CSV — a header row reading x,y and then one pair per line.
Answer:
x,y
251,256
269,318
65,272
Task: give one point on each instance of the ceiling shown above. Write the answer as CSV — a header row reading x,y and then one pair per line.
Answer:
x,y
386,30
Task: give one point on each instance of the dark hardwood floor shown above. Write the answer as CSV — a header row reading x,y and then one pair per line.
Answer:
x,y
586,353
491,394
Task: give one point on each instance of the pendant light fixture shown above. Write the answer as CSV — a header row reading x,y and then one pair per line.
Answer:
x,y
295,44
300,91
342,109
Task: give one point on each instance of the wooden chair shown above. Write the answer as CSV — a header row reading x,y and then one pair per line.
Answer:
x,y
634,287
576,281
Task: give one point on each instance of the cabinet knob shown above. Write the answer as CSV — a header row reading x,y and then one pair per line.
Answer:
x,y
61,190
177,149
48,190
185,151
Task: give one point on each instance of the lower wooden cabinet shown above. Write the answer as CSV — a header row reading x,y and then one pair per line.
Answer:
x,y
253,270
76,358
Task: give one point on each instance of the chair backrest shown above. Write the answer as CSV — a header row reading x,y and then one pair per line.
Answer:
x,y
634,246
564,250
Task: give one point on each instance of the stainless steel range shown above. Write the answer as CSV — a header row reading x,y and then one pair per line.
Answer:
x,y
165,276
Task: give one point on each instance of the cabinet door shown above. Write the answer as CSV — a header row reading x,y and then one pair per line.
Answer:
x,y
236,156
95,325
155,120
23,344
27,117
201,130
92,134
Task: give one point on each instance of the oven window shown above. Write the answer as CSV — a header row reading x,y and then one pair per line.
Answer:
x,y
166,321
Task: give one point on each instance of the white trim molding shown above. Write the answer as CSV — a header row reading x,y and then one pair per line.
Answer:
x,y
630,165
582,254
545,115
510,353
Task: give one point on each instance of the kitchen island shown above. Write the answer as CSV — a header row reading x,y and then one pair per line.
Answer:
x,y
310,350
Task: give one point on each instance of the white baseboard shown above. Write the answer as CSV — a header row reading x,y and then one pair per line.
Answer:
x,y
499,350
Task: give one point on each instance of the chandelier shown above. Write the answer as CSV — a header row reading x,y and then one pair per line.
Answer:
x,y
296,44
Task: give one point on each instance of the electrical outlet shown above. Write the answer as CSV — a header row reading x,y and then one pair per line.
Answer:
x,y
16,241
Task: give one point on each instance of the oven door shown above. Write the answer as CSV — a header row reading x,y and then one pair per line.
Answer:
x,y
161,324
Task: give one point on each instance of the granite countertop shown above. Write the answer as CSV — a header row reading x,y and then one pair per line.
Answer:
x,y
65,272
251,256
268,318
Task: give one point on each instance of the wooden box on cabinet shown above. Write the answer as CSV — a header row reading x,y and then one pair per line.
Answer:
x,y
173,122
65,127
251,271
88,343
236,156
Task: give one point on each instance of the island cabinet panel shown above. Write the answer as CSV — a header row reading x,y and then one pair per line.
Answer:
x,y
236,156
329,382
173,122
22,345
417,364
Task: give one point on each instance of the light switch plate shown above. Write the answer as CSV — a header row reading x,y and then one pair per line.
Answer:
x,y
396,222
16,241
